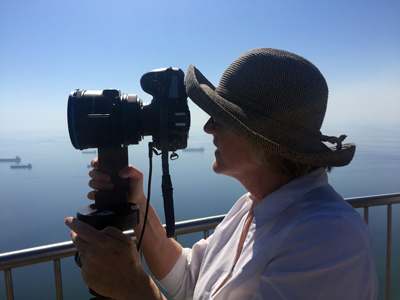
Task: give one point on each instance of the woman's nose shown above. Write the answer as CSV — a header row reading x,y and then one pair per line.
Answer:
x,y
209,127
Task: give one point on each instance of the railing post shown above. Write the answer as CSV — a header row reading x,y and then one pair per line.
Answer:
x,y
366,214
388,249
57,275
9,284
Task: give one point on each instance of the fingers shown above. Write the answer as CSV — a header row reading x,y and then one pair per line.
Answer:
x,y
109,260
131,172
126,172
95,162
80,244
100,185
114,233
91,195
85,232
136,193
99,181
98,175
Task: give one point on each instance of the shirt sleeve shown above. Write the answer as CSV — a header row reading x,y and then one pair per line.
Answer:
x,y
181,280
322,258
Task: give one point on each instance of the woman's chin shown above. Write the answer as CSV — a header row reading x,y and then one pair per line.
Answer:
x,y
217,168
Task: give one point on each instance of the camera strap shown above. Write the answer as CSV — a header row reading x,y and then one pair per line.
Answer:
x,y
166,184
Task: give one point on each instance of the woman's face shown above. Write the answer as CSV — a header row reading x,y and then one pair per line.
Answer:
x,y
231,157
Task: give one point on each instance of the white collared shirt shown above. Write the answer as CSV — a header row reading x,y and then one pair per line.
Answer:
x,y
305,242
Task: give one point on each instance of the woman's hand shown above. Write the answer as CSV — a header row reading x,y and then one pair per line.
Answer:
x,y
111,265
161,253
101,181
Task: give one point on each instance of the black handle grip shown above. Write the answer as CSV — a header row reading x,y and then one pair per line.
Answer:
x,y
111,161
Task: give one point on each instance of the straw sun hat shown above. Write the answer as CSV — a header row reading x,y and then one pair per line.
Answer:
x,y
275,99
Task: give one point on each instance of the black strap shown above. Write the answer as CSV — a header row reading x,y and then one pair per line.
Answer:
x,y
166,185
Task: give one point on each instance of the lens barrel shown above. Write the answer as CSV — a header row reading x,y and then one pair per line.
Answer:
x,y
103,119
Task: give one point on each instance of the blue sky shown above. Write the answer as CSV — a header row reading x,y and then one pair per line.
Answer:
x,y
49,48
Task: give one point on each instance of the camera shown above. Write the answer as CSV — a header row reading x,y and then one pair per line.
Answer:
x,y
110,121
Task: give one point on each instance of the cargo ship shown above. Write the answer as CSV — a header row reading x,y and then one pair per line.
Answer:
x,y
89,152
28,166
200,149
17,159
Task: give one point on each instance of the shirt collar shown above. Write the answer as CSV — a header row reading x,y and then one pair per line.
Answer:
x,y
279,200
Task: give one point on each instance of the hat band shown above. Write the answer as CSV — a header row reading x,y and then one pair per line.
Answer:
x,y
334,140
233,98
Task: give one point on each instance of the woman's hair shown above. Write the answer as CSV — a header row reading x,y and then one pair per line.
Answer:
x,y
278,163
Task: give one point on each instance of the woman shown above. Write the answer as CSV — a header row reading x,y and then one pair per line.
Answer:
x,y
290,237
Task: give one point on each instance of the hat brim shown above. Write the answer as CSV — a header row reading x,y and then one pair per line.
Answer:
x,y
279,138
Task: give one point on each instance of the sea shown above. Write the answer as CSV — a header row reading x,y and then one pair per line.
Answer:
x,y
34,202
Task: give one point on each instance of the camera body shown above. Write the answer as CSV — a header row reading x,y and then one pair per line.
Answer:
x,y
110,121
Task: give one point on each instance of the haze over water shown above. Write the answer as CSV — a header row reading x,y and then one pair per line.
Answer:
x,y
34,203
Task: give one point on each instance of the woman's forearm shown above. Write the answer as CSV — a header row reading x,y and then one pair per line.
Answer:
x,y
148,291
161,253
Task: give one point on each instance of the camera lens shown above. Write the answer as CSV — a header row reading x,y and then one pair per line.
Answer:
x,y
103,119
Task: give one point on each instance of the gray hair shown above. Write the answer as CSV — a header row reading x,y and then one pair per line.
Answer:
x,y
278,163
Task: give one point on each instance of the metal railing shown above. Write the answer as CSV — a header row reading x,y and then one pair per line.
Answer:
x,y
378,200
55,252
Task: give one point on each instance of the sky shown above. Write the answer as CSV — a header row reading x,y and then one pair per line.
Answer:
x,y
49,48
